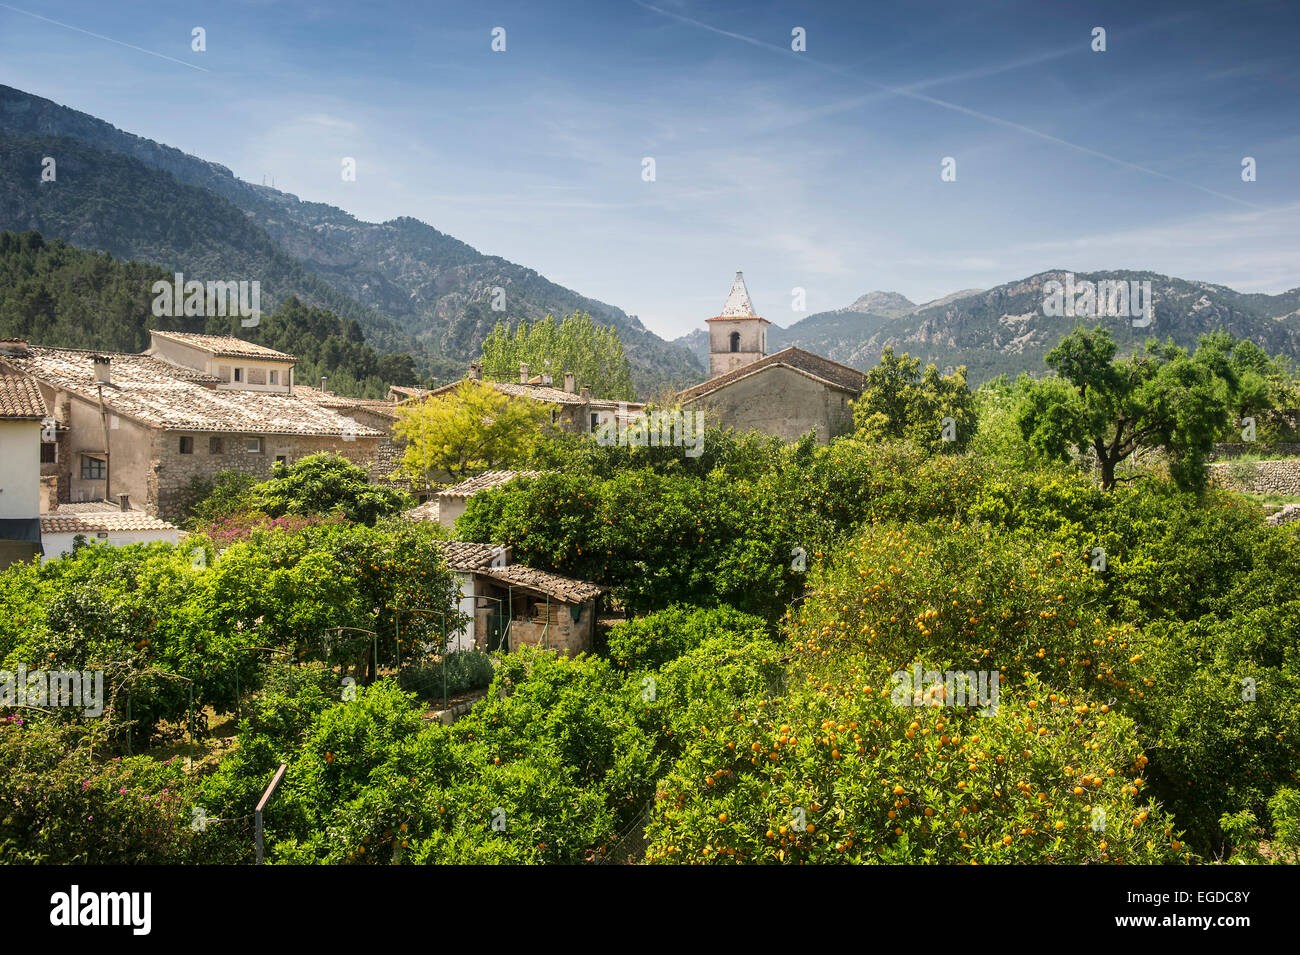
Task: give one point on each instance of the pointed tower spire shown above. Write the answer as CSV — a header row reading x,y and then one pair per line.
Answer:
x,y
737,337
738,304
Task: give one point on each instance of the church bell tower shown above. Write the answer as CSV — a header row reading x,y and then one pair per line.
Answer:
x,y
737,337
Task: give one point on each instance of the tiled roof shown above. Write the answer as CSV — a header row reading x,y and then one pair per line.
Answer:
x,y
179,399
815,366
223,346
465,556
562,588
379,406
68,521
428,511
19,397
555,396
484,481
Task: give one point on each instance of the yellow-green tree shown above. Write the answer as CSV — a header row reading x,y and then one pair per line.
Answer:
x,y
471,428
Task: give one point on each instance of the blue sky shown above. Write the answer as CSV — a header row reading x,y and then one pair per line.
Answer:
x,y
818,169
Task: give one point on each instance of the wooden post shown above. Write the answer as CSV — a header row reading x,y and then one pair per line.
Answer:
x,y
261,804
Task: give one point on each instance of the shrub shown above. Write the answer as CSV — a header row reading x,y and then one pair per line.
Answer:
x,y
651,641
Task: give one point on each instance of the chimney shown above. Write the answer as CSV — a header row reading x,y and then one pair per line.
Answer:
x,y
323,379
475,371
586,393
124,502
103,371
523,372
548,381
569,382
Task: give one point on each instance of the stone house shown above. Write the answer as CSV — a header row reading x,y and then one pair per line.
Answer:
x,y
146,426
512,606
22,410
786,394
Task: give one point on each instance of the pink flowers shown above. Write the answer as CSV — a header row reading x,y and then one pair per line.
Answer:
x,y
241,527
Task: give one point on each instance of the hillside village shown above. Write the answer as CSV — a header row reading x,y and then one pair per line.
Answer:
x,y
740,586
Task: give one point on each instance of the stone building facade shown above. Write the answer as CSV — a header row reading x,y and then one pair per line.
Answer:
x,y
786,394
145,426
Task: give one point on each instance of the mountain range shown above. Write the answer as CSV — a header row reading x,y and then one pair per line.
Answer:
x,y
1005,329
414,290
409,286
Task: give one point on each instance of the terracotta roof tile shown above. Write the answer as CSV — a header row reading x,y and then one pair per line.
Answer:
x,y
179,399
461,555
484,481
563,588
19,397
66,521
223,346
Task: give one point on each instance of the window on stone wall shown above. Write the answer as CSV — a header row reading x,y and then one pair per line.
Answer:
x,y
214,445
49,453
595,419
187,444
239,374
253,445
735,341
275,377
93,469
282,459
257,376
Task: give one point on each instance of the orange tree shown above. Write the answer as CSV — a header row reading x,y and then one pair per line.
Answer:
x,y
837,772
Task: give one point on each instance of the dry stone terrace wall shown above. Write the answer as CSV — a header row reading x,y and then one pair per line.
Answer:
x,y
1280,476
173,471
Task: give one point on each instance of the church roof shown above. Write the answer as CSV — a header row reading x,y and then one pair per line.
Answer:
x,y
805,363
737,304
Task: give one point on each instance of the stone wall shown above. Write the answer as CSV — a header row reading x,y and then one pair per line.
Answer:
x,y
780,402
173,471
1280,476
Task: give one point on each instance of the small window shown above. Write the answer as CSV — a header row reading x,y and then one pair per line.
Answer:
x,y
239,374
253,445
214,445
49,453
93,469
282,459
187,444
275,377
735,341
595,421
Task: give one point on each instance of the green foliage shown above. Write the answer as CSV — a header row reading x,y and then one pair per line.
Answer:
x,y
900,402
592,352
657,638
319,484
63,805
1158,398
